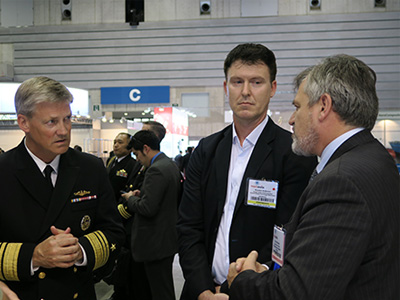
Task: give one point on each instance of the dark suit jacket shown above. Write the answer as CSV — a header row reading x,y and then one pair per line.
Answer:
x,y
204,197
343,240
82,200
154,224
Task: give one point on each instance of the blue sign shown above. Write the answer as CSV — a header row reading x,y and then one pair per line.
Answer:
x,y
134,95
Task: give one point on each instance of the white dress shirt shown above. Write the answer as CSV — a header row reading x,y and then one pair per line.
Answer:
x,y
240,156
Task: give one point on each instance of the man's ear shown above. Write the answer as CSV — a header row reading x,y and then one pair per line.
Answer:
x,y
23,123
273,88
325,103
226,88
146,149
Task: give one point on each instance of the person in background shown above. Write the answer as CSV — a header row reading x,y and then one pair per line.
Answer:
x,y
120,167
185,159
156,127
240,181
179,160
78,148
343,239
122,164
57,210
154,237
128,276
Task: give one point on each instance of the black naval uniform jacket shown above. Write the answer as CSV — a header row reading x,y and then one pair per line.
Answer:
x,y
82,200
120,172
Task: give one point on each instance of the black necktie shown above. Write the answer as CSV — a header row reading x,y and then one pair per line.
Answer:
x,y
47,174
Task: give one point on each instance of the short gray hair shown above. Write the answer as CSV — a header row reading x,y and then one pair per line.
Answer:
x,y
351,85
37,90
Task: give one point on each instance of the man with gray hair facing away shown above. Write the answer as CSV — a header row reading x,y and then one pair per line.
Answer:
x,y
343,239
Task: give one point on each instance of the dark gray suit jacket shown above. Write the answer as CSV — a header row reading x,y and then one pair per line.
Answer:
x,y
154,234
343,239
204,197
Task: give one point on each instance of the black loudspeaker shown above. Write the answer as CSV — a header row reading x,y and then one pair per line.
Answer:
x,y
134,11
380,3
315,4
205,7
66,9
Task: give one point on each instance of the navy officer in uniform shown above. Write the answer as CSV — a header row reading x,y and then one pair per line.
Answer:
x,y
58,220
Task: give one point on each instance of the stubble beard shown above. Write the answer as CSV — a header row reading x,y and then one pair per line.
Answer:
x,y
303,146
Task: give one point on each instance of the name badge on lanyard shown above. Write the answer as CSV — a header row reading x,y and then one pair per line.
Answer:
x,y
278,245
262,193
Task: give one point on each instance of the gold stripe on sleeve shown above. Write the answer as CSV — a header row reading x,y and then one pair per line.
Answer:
x,y
123,212
9,253
100,246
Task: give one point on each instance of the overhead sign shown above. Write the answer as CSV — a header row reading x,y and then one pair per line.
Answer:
x,y
135,95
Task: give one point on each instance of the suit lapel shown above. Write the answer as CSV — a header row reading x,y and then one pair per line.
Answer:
x,y
30,177
259,155
67,174
222,160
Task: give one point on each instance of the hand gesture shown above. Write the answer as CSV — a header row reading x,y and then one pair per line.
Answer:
x,y
242,264
208,295
61,250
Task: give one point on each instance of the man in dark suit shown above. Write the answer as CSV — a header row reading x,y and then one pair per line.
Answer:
x,y
343,239
223,214
154,237
57,209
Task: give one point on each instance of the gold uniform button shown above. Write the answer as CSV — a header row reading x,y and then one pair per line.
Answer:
x,y
75,269
42,275
75,295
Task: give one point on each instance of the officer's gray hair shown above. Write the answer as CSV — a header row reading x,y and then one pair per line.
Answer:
x,y
37,90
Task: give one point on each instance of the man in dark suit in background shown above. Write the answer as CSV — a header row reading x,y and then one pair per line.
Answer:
x,y
223,213
343,239
57,210
154,237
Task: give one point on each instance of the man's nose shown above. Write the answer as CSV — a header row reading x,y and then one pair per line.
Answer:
x,y
246,89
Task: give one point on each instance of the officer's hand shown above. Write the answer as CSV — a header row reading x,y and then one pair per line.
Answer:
x,y
61,250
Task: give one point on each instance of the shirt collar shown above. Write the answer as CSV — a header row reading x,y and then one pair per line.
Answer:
x,y
154,157
253,136
121,158
332,146
40,163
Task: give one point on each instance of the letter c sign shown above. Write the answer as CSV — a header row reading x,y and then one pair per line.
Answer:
x,y
134,95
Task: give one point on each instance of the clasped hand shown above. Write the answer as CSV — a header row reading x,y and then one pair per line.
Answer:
x,y
130,194
60,250
243,264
